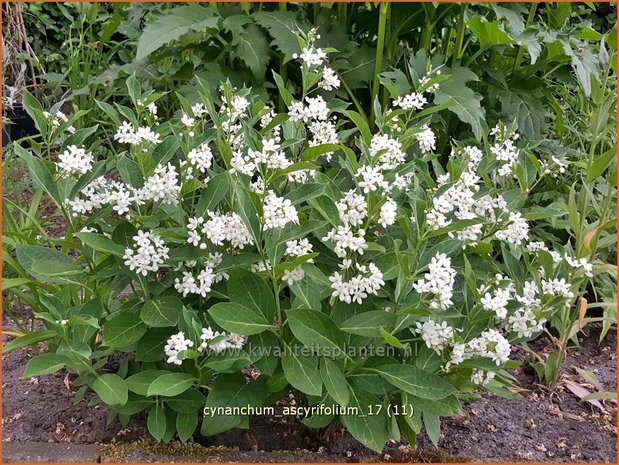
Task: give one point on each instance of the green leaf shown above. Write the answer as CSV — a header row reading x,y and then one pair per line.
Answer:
x,y
134,89
111,388
213,193
186,424
31,338
170,384
315,329
39,172
283,27
253,49
464,102
162,312
367,323
228,391
366,425
302,373
44,365
101,243
189,401
335,381
31,257
489,33
314,152
600,164
140,382
433,427
123,330
172,25
157,422
238,318
414,381
249,289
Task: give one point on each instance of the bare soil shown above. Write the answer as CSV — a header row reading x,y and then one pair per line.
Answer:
x,y
539,426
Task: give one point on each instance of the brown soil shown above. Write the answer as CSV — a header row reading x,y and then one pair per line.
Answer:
x,y
539,426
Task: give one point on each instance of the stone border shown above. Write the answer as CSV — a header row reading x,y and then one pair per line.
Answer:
x,y
20,452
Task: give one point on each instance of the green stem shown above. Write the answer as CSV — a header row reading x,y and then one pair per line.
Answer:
x,y
342,14
283,71
380,46
520,53
459,50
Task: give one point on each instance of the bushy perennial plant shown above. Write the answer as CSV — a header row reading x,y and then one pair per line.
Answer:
x,y
355,267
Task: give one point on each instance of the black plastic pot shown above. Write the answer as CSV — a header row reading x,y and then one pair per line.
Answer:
x,y
21,125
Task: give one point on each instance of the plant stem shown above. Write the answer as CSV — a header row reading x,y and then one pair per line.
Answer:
x,y
342,14
459,50
520,53
380,46
283,70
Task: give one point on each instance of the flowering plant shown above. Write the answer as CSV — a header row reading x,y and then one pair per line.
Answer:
x,y
349,264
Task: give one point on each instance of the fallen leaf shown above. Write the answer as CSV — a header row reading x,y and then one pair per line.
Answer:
x,y
581,392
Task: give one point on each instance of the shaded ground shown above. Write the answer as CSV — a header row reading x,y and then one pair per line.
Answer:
x,y
536,427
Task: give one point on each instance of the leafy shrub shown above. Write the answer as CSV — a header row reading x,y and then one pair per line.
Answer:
x,y
349,265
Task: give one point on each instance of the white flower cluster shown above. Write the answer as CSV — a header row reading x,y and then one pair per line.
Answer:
x,y
175,348
436,336
330,80
75,160
57,119
297,248
278,212
517,230
490,344
310,55
148,252
558,287
161,186
388,150
219,228
315,109
200,158
352,208
410,101
345,238
388,213
127,134
438,281
201,284
217,342
426,139
575,263
481,377
369,280
505,150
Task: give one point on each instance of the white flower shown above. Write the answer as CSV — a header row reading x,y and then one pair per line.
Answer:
x,y
426,139
162,186
175,348
389,151
330,80
371,179
558,287
292,276
219,228
278,212
388,213
491,344
201,157
148,252
507,153
359,287
316,109
152,109
201,284
496,303
352,208
580,263
438,281
297,248
199,110
481,377
127,134
323,132
410,101
224,341
524,323
517,230
75,160
345,238
436,336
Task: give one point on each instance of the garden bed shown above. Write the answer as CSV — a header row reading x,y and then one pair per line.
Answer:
x,y
538,426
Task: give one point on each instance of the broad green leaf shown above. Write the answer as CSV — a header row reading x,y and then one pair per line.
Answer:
x,y
367,424
302,373
31,257
283,27
172,25
111,388
250,290
238,318
228,391
101,243
157,422
186,424
334,381
170,384
489,33
414,381
140,382
162,312
189,401
123,330
213,193
315,329
253,50
29,339
44,364
368,323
